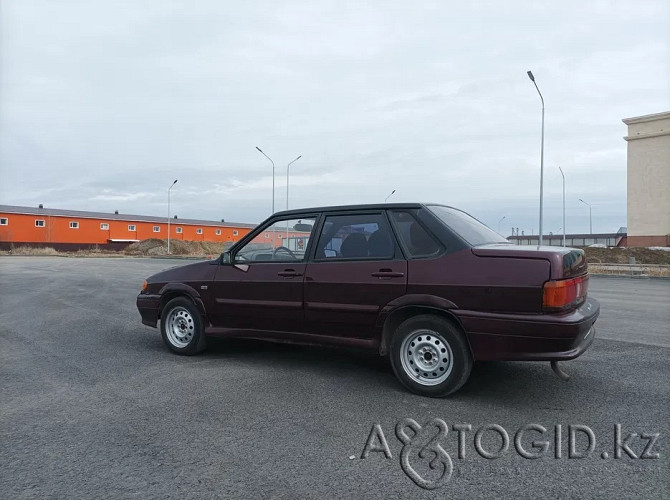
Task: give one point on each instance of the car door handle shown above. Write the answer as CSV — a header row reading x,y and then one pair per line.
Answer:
x,y
387,273
289,273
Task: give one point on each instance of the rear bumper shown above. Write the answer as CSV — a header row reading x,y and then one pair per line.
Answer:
x,y
537,337
148,306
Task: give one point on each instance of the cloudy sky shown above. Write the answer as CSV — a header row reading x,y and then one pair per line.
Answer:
x,y
104,103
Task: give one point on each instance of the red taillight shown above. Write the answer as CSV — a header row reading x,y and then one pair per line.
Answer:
x,y
563,294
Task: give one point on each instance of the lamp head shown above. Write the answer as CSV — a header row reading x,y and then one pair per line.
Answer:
x,y
530,75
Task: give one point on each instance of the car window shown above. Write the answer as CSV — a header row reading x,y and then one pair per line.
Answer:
x,y
364,236
284,240
466,226
416,240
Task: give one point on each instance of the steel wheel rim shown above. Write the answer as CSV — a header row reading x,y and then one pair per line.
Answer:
x,y
180,327
426,357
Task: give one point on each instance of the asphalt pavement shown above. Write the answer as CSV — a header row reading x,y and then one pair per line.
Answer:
x,y
93,405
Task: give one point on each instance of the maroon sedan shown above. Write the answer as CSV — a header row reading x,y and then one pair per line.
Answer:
x,y
428,285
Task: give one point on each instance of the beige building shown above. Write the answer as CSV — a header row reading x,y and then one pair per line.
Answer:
x,y
648,180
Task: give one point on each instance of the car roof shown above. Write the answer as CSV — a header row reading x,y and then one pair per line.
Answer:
x,y
344,208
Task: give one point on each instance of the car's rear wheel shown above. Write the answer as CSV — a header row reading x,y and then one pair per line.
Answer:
x,y
181,327
430,355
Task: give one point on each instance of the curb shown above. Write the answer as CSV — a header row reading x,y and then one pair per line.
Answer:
x,y
630,276
174,257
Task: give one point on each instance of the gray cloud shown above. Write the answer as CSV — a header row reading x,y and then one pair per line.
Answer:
x,y
103,104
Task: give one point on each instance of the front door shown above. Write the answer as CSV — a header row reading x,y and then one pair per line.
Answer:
x,y
262,288
357,269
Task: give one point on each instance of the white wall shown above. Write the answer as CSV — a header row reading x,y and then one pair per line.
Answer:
x,y
648,175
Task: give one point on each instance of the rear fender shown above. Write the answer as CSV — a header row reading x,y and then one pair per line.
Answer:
x,y
398,310
421,300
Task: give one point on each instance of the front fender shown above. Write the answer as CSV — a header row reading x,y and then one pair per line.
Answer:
x,y
171,290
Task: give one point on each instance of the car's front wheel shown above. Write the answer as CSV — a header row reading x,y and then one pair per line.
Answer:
x,y
430,355
181,327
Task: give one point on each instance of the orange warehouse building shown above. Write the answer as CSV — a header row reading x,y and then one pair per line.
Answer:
x,y
71,229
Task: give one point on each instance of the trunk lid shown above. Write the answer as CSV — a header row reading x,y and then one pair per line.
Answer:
x,y
565,262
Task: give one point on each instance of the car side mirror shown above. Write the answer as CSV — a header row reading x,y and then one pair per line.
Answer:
x,y
225,258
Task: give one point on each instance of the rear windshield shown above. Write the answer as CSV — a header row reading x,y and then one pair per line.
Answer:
x,y
466,226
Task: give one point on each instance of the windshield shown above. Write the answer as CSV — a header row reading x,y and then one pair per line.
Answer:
x,y
466,226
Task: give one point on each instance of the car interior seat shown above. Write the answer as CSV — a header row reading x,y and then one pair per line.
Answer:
x,y
354,245
380,244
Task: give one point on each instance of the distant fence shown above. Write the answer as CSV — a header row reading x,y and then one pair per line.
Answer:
x,y
572,240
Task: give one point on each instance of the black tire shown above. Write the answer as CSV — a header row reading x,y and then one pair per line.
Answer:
x,y
430,356
182,327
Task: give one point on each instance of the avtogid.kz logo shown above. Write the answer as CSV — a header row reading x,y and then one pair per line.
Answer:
x,y
425,460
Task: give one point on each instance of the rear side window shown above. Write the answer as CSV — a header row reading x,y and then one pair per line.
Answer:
x,y
466,226
417,242
364,236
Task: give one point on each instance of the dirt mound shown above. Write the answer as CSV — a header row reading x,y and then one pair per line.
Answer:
x,y
144,246
33,251
154,247
622,255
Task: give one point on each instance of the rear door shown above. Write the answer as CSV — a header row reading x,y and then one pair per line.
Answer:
x,y
357,268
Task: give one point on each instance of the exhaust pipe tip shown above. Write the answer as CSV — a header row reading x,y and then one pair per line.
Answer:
x,y
559,372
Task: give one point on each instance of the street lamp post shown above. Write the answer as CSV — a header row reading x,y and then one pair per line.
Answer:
x,y
532,78
168,229
386,199
563,175
590,217
287,169
501,219
273,178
